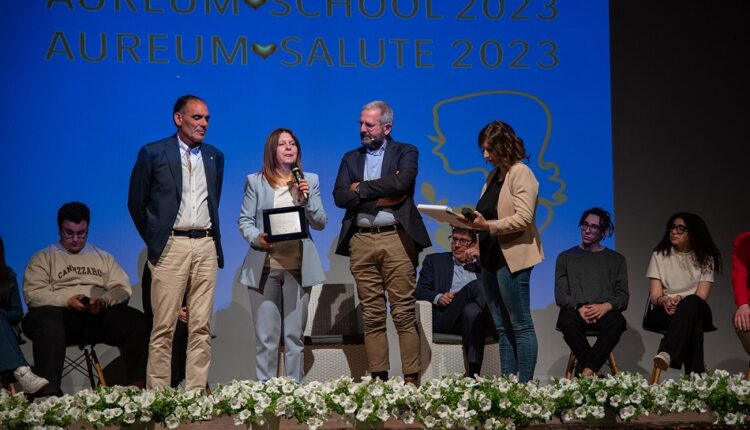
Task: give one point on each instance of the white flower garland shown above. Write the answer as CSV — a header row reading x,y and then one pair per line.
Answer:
x,y
452,401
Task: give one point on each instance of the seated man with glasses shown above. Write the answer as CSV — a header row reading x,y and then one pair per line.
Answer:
x,y
450,280
77,293
591,288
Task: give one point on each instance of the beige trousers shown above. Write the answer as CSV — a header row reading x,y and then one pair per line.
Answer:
x,y
386,262
187,268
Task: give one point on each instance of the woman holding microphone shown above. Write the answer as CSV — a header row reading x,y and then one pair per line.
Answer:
x,y
509,245
279,275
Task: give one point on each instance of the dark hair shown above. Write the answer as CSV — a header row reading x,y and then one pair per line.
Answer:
x,y
73,211
270,167
503,143
605,220
707,255
179,105
456,229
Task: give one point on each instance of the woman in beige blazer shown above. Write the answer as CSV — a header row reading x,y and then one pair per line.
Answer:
x,y
509,244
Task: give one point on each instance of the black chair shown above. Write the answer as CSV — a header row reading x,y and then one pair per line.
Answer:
x,y
611,361
85,363
655,371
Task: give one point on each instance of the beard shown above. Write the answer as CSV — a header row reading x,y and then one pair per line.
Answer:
x,y
372,142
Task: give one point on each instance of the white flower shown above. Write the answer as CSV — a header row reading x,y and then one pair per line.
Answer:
x,y
112,397
112,413
375,390
635,398
236,403
242,417
627,412
91,399
383,414
131,407
601,396
172,422
147,397
730,419
580,412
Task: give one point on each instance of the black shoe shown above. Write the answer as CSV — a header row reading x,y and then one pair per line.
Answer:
x,y
382,375
474,370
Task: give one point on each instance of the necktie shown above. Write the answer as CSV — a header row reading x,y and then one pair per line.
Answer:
x,y
187,162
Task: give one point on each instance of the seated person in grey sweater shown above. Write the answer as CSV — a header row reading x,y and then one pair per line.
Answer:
x,y
591,288
77,293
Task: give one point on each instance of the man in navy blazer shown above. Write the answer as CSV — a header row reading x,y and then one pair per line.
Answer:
x,y
174,196
383,233
451,282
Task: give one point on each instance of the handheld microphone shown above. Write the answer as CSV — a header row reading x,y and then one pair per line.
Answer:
x,y
468,214
298,176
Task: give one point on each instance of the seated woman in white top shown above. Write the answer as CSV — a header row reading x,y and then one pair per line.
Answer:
x,y
279,275
681,273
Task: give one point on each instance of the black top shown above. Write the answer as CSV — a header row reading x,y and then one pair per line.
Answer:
x,y
490,255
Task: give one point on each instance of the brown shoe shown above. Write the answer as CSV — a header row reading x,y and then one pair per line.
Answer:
x,y
412,378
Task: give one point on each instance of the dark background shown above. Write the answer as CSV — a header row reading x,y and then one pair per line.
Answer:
x,y
680,136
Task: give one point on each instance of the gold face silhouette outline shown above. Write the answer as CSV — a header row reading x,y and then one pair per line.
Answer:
x,y
539,163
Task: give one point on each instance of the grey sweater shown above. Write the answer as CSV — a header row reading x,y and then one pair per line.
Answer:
x,y
583,277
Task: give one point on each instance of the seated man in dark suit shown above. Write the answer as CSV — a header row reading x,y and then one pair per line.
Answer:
x,y
78,293
449,280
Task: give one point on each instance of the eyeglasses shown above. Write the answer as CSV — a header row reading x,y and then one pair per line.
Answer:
x,y
67,234
679,228
585,226
462,242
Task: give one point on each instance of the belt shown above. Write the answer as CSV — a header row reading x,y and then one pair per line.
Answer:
x,y
380,228
193,234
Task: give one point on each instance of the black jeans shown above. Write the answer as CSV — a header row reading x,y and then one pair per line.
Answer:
x,y
573,327
468,316
53,328
683,340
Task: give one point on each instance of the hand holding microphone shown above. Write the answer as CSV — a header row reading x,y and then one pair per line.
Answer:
x,y
298,178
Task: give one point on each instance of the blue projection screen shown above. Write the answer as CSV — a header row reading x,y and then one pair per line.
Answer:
x,y
90,81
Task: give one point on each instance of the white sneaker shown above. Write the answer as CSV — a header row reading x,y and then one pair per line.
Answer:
x,y
30,383
662,360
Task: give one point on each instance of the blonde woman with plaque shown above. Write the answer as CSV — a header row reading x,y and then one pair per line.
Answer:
x,y
279,269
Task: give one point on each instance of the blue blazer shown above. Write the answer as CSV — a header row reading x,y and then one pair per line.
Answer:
x,y
436,277
399,157
156,191
259,195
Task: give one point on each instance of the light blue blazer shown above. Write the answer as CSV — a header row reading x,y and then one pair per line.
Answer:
x,y
259,195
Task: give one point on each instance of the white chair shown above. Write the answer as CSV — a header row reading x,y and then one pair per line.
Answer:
x,y
334,343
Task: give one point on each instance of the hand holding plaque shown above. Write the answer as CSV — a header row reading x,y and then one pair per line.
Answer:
x,y
287,223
